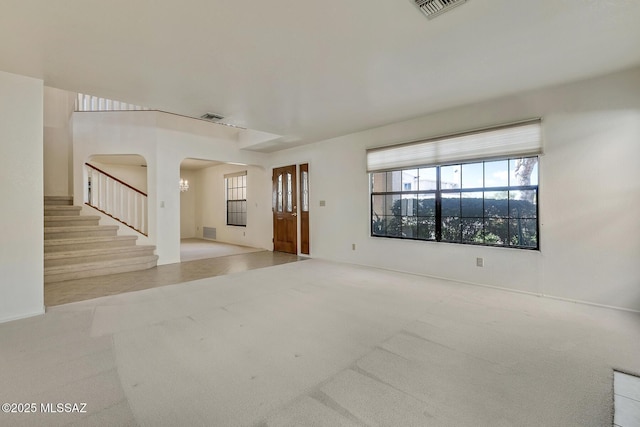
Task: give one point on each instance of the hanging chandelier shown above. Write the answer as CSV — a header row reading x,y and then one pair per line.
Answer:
x,y
184,185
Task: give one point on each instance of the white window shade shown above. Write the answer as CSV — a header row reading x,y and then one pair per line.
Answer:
x,y
520,139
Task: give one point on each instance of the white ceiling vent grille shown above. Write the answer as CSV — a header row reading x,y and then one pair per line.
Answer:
x,y
433,8
211,117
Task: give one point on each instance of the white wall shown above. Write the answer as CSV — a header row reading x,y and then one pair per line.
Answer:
x,y
164,140
589,195
589,204
188,201
134,175
211,208
58,154
21,192
114,133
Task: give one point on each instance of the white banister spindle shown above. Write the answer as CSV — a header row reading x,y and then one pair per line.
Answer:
x,y
111,199
118,200
141,218
143,223
92,199
117,205
123,193
94,187
136,215
99,192
107,195
130,201
139,211
101,189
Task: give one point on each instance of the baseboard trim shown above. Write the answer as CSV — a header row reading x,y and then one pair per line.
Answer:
x,y
594,304
500,288
23,316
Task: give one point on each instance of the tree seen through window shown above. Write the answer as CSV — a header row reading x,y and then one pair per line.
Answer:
x,y
489,203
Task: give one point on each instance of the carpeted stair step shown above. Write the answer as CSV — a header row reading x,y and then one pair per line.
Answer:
x,y
80,243
79,231
58,200
62,210
99,268
70,221
54,259
76,246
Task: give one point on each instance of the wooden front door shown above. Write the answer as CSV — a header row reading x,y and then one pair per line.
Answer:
x,y
285,210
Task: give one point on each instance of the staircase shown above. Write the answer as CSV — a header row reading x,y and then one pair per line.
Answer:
x,y
77,246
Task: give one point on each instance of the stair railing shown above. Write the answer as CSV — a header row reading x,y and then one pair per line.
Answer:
x,y
116,198
94,103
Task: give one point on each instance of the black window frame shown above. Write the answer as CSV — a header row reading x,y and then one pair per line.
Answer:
x,y
236,205
437,234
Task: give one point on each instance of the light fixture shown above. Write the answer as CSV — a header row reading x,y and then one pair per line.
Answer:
x,y
212,117
184,185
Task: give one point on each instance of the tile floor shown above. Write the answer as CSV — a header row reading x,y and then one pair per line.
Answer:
x,y
113,284
194,249
626,389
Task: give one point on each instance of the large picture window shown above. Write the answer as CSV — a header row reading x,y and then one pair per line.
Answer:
x,y
236,195
488,203
477,187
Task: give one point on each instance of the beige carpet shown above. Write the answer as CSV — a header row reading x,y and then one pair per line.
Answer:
x,y
319,343
194,249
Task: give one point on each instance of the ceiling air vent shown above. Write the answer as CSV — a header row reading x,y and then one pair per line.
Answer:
x,y
211,117
433,8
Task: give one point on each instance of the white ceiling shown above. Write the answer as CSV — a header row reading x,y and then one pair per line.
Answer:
x,y
136,160
196,164
309,70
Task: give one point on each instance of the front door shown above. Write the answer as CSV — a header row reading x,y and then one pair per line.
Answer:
x,y
285,210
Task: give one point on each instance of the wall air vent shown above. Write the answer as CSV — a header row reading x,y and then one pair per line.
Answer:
x,y
209,233
433,8
211,117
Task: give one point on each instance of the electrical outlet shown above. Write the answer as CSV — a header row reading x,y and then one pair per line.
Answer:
x,y
353,246
479,262
323,203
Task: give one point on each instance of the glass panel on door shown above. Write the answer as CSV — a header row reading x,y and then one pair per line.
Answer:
x,y
289,193
305,191
279,197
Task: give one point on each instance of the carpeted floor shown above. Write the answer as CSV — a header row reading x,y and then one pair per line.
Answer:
x,y
320,343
